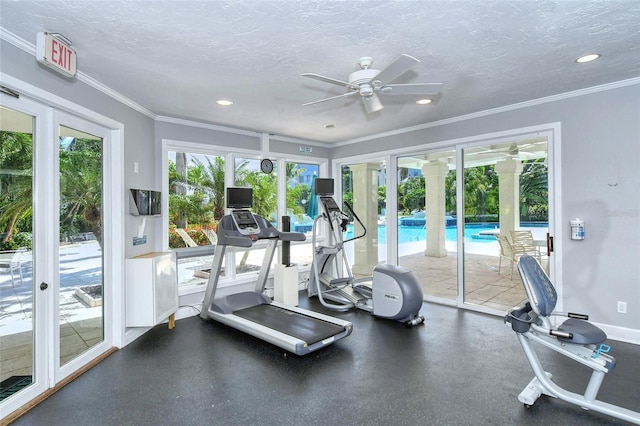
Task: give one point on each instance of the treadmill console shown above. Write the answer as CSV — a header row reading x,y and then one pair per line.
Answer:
x,y
245,222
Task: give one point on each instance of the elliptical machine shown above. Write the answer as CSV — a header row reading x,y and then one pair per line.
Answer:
x,y
392,292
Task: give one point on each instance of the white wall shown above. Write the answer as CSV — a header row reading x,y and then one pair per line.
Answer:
x,y
600,137
600,175
138,127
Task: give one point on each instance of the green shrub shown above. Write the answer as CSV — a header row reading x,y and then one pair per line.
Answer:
x,y
21,239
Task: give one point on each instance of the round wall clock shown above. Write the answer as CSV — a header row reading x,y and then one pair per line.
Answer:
x,y
266,166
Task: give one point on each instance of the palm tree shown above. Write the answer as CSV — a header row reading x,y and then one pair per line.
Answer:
x,y
179,185
411,194
16,188
264,188
81,186
534,193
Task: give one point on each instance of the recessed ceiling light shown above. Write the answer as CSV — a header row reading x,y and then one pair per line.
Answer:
x,y
588,58
423,101
329,126
224,102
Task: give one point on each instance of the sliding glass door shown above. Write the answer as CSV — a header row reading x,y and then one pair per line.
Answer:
x,y
427,223
463,213
505,193
364,198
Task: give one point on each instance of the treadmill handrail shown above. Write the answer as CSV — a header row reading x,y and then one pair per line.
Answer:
x,y
229,235
241,241
292,236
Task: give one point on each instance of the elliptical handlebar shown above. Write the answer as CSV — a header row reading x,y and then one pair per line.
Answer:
x,y
355,216
336,217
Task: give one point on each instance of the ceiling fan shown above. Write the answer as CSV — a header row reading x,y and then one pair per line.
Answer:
x,y
514,150
369,83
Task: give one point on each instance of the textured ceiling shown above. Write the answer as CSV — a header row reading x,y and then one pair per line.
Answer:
x,y
176,58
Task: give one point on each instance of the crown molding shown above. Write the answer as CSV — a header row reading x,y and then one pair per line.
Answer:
x,y
499,110
80,76
208,126
30,48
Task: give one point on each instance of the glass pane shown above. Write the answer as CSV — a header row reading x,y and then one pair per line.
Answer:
x,y
505,190
196,204
81,262
16,258
265,187
427,226
364,192
250,261
265,204
302,207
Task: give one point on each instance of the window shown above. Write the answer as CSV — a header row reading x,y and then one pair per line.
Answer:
x,y
265,203
197,178
196,204
364,191
302,207
265,187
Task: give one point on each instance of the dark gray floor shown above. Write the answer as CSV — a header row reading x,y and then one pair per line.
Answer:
x,y
459,368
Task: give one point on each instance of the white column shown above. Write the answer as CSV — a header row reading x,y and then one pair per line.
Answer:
x,y
509,172
434,177
365,204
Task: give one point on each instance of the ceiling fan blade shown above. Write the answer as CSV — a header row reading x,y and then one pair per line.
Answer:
x,y
329,80
344,95
396,69
411,89
372,103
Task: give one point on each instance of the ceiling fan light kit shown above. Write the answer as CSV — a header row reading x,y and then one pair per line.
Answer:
x,y
369,82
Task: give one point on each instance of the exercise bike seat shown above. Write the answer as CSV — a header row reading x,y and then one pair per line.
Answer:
x,y
543,298
582,332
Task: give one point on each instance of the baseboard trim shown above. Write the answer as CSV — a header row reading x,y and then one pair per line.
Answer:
x,y
621,334
46,394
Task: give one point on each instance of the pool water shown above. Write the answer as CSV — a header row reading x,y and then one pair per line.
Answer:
x,y
408,234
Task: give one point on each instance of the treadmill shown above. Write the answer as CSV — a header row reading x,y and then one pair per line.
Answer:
x,y
294,329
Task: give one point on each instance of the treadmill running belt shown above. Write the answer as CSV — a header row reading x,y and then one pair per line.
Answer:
x,y
305,328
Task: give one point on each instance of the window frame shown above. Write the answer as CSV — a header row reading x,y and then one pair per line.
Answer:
x,y
231,278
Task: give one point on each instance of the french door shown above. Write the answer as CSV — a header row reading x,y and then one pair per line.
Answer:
x,y
54,290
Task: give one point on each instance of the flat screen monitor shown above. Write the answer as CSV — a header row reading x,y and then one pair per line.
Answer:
x,y
239,198
324,186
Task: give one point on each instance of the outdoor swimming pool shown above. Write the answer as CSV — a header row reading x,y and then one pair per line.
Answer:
x,y
408,234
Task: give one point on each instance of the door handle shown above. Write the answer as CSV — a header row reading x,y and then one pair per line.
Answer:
x,y
43,285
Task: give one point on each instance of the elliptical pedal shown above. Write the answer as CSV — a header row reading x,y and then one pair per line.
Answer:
x,y
341,281
363,290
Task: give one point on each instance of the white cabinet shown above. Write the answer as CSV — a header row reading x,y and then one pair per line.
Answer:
x,y
151,290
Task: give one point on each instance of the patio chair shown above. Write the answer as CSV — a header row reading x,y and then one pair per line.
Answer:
x,y
201,261
10,260
211,235
188,241
507,250
524,240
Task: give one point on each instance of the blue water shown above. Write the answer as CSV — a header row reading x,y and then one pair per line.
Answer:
x,y
407,234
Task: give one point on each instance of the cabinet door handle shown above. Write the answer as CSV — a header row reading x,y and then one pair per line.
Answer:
x,y
44,286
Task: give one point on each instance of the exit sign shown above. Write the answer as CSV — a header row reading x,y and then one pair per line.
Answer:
x,y
56,53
